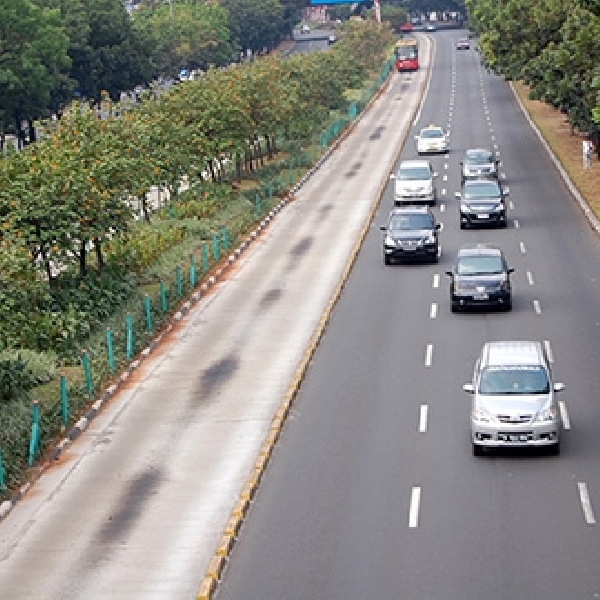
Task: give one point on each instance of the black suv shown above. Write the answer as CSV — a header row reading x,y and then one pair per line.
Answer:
x,y
411,234
480,277
482,202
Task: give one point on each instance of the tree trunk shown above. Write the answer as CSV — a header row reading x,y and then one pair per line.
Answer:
x,y
269,148
82,259
99,255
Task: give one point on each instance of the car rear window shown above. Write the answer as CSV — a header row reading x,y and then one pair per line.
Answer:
x,y
432,133
479,158
526,379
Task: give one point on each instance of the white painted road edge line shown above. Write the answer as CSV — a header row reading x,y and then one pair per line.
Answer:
x,y
586,505
423,413
428,355
564,415
413,511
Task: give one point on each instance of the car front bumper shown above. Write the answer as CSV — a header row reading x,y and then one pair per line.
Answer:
x,y
472,299
408,253
494,435
414,199
483,219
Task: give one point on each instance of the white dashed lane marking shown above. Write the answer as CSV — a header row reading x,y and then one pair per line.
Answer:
x,y
548,349
423,414
433,310
536,307
522,248
436,280
428,355
413,511
586,505
529,278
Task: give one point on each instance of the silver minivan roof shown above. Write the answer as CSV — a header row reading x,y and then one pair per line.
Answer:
x,y
512,353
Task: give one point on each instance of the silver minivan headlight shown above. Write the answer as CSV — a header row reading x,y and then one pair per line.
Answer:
x,y
481,416
547,414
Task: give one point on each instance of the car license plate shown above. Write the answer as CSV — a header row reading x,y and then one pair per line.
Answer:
x,y
483,216
480,296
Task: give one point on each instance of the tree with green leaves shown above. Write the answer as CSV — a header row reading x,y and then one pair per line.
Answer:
x,y
33,55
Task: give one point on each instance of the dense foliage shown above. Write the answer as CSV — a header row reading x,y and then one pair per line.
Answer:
x,y
552,45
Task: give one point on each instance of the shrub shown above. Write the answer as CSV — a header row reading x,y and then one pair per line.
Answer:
x,y
15,379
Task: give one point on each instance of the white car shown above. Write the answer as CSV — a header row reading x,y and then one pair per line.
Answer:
x,y
414,183
432,139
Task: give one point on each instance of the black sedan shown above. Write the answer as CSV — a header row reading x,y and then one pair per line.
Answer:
x,y
411,234
480,277
482,202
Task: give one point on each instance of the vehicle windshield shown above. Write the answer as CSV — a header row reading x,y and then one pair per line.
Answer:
x,y
414,173
526,379
406,52
408,222
479,265
431,133
478,158
482,189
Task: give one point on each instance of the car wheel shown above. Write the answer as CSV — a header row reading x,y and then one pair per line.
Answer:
x,y
477,450
454,307
555,449
463,225
508,306
387,260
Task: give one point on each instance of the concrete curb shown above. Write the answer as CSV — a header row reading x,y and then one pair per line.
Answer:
x,y
587,211
209,583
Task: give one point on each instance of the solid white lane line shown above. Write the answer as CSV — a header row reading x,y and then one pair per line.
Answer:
x,y
413,511
433,310
536,307
428,355
564,415
548,349
522,247
423,418
586,505
436,280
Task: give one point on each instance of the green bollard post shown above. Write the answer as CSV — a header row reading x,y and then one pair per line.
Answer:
x,y
129,336
87,372
204,258
148,313
216,246
65,412
281,182
224,238
34,442
164,303
178,281
193,271
2,484
291,173
110,350
257,206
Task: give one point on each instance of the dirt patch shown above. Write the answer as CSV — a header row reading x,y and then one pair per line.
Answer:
x,y
566,145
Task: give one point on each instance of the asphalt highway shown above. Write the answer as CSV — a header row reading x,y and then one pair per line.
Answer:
x,y
373,491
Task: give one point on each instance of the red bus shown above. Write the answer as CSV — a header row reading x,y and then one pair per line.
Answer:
x,y
407,55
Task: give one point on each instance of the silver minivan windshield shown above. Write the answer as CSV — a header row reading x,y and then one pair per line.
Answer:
x,y
526,379
414,173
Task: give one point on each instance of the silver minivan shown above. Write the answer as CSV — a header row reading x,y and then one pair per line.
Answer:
x,y
514,398
414,183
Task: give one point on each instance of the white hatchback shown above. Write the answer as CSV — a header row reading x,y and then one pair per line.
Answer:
x,y
432,139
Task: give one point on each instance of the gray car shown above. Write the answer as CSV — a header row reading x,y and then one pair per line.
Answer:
x,y
478,163
414,183
513,398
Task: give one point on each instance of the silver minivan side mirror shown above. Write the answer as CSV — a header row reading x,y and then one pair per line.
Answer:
x,y
559,387
392,175
457,195
416,137
506,190
469,387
